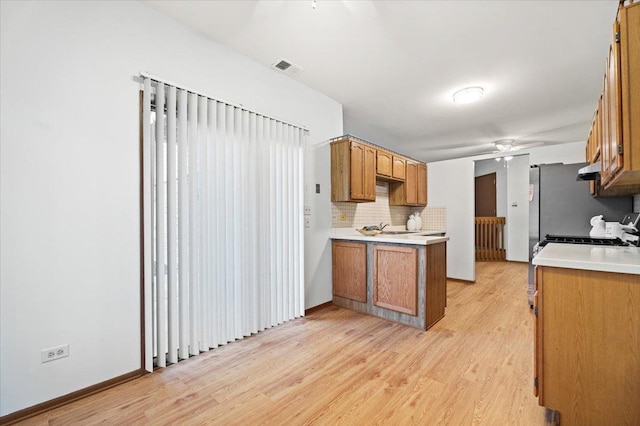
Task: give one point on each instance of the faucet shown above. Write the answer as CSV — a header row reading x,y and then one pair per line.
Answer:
x,y
382,227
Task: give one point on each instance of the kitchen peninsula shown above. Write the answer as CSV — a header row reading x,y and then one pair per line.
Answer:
x,y
401,278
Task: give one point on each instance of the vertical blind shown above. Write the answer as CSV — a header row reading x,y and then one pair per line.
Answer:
x,y
223,222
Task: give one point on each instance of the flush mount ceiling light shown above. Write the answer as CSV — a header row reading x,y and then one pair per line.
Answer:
x,y
468,95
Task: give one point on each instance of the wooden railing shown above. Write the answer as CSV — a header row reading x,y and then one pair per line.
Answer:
x,y
490,238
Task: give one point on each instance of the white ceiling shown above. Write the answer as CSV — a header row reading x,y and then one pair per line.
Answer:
x,y
394,65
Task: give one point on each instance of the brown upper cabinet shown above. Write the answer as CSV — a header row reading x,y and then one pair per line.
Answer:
x,y
355,165
390,166
413,191
422,184
353,171
615,133
384,163
399,167
411,184
595,135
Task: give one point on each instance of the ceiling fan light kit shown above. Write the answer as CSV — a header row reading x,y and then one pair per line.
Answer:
x,y
505,145
468,95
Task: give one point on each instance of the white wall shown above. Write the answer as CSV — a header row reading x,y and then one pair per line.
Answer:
x,y
451,184
69,179
317,245
568,154
518,208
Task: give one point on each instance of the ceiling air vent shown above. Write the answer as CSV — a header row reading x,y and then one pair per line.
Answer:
x,y
287,67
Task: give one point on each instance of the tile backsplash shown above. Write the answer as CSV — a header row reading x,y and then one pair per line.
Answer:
x,y
357,215
434,218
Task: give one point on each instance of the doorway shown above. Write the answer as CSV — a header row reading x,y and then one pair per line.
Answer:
x,y
486,195
490,241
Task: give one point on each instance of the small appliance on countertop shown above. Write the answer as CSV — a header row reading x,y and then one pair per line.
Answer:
x,y
598,226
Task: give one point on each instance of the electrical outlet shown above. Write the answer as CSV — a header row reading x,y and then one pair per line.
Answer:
x,y
307,210
307,222
52,354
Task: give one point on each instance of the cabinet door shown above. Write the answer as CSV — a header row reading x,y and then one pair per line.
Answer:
x,y
536,344
411,184
395,284
614,159
537,336
594,140
597,134
363,172
369,177
399,166
357,171
604,143
349,270
422,184
384,163
588,323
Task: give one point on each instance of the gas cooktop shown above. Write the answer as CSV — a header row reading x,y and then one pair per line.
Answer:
x,y
564,239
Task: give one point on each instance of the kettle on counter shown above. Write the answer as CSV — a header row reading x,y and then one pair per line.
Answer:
x,y
599,228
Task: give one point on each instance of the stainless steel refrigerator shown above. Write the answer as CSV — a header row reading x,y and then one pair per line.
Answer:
x,y
561,205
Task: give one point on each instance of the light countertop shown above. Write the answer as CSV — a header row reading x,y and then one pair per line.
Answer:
x,y
593,258
418,238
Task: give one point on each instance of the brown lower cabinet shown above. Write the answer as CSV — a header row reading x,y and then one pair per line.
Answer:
x,y
436,294
399,282
587,345
350,270
395,281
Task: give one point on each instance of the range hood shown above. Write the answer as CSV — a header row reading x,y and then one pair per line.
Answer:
x,y
590,172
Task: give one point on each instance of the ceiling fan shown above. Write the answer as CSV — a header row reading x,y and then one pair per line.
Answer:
x,y
510,145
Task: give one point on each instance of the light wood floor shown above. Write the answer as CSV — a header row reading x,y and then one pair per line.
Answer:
x,y
340,367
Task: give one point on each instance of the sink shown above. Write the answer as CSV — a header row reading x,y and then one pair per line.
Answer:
x,y
398,232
